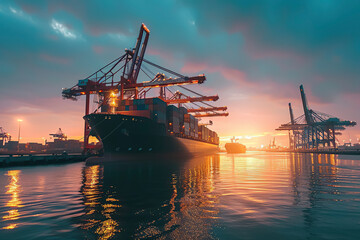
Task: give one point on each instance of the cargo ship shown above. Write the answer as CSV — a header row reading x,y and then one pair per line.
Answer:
x,y
235,147
151,126
127,120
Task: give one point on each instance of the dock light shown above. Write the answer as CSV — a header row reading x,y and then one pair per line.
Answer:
x,y
19,121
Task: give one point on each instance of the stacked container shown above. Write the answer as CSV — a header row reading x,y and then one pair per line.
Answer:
x,y
159,110
187,125
200,132
192,126
204,133
211,136
172,114
153,108
177,120
196,128
182,112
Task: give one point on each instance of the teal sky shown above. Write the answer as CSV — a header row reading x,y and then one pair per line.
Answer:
x,y
255,55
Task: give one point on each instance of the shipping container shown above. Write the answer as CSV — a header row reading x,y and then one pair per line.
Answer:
x,y
139,101
203,133
192,122
158,116
174,126
182,112
187,128
206,134
200,132
142,107
104,108
196,128
142,113
172,114
187,118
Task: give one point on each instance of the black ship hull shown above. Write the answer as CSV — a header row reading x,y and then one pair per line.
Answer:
x,y
124,134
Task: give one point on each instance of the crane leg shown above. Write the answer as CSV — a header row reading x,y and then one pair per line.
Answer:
x,y
87,127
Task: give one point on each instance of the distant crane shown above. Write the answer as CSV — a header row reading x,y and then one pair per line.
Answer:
x,y
313,129
120,78
4,137
59,135
272,144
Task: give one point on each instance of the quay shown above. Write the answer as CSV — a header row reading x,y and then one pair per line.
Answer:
x,y
20,159
318,151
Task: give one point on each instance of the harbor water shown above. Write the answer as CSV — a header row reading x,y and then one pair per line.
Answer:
x,y
256,195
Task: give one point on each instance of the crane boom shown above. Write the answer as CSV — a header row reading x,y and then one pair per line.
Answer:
x,y
94,88
137,60
305,106
203,109
211,115
171,82
291,114
192,99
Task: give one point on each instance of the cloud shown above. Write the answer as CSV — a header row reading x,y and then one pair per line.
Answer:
x,y
62,29
259,50
228,73
54,59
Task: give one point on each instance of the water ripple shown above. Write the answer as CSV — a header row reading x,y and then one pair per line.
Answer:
x,y
225,196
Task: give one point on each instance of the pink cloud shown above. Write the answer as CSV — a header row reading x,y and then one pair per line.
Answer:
x,y
230,74
260,50
54,59
267,88
274,54
98,49
166,56
257,50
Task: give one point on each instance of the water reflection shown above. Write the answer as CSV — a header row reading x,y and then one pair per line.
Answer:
x,y
310,171
182,200
14,202
255,195
150,199
314,178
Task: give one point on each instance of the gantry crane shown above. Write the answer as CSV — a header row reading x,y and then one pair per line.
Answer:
x,y
121,77
313,129
4,137
59,135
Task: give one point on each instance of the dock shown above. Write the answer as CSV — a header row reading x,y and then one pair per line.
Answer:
x,y
39,159
319,151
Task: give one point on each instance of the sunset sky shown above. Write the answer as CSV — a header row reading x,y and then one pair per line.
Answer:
x,y
255,54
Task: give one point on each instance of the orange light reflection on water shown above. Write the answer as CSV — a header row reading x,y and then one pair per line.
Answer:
x,y
105,228
13,189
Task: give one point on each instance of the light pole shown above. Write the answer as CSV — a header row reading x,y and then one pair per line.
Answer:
x,y
19,120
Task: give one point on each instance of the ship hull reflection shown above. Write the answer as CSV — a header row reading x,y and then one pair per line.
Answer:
x,y
147,198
